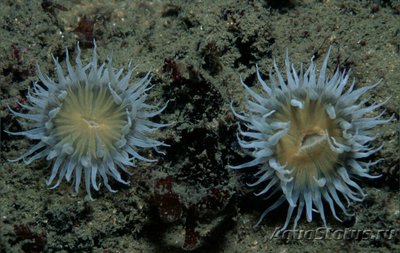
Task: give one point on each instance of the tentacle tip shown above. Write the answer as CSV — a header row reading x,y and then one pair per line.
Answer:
x,y
125,182
13,160
89,197
233,167
257,225
54,186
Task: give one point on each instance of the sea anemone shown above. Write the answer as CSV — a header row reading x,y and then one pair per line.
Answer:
x,y
306,135
93,120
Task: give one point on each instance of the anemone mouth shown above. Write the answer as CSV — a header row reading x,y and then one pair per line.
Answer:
x,y
311,139
89,120
305,148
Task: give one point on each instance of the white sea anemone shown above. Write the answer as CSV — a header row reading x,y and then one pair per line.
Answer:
x,y
306,135
91,121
